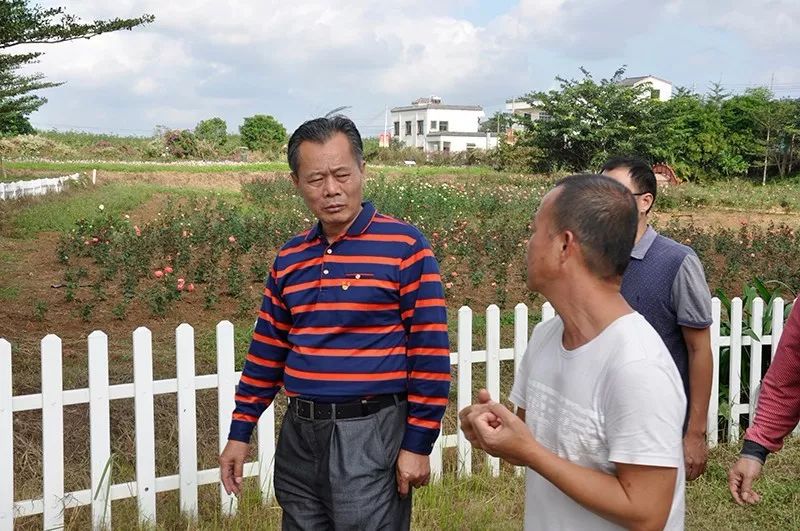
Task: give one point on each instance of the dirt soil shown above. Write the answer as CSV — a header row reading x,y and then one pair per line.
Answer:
x,y
213,181
729,218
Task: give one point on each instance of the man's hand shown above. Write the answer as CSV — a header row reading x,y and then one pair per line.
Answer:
x,y
413,470
483,398
231,465
501,433
695,452
740,480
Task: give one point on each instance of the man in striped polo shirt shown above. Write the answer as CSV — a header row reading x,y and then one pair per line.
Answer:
x,y
353,325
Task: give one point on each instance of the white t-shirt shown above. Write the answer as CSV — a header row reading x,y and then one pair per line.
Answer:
x,y
616,399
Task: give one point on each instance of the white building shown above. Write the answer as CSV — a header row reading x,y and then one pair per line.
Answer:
x,y
523,109
660,89
430,125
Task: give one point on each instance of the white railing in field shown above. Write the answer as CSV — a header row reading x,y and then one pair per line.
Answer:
x,y
19,189
102,491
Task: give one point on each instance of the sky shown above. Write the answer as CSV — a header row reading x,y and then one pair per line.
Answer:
x,y
298,60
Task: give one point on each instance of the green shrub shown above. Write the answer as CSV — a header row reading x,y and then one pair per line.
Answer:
x,y
181,144
263,132
214,131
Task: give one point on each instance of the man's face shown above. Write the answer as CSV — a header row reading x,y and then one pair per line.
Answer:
x,y
644,201
542,252
331,182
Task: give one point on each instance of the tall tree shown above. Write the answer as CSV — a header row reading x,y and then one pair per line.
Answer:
x,y
590,121
22,22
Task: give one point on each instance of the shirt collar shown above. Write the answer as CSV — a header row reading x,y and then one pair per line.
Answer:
x,y
643,245
359,225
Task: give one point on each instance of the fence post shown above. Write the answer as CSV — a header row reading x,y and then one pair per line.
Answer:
x,y
145,429
778,306
493,367
6,439
520,346
436,458
226,388
266,452
757,326
187,419
52,432
520,333
712,428
464,386
548,312
735,372
100,431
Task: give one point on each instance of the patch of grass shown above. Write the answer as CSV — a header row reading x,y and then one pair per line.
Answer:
x,y
59,212
252,167
139,167
733,194
482,502
709,504
8,258
9,293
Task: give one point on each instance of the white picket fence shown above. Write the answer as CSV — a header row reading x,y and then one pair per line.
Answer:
x,y
19,189
102,491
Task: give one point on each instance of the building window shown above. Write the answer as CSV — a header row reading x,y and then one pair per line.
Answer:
x,y
446,147
528,115
420,127
433,125
470,146
397,129
544,116
408,128
443,126
655,94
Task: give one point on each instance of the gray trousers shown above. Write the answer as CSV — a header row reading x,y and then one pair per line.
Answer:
x,y
340,474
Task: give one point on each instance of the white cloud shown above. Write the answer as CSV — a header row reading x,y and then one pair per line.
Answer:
x,y
298,59
766,24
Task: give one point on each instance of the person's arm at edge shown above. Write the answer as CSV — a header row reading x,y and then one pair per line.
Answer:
x,y
701,368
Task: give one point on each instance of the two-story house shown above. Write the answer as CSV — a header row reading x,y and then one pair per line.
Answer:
x,y
430,125
659,89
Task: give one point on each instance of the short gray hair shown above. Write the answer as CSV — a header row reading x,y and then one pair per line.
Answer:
x,y
320,130
602,215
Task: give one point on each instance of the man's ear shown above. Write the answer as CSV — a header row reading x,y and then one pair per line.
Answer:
x,y
295,180
647,202
568,244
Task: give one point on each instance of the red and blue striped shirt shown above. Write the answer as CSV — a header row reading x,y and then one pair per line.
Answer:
x,y
361,316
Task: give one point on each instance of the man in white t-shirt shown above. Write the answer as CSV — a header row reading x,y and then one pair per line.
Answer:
x,y
600,402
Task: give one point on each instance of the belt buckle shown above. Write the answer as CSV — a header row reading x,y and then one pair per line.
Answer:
x,y
310,403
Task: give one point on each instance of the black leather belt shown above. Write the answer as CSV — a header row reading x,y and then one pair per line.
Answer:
x,y
310,410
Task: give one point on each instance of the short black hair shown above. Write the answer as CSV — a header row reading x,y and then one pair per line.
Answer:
x,y
602,215
640,171
320,130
